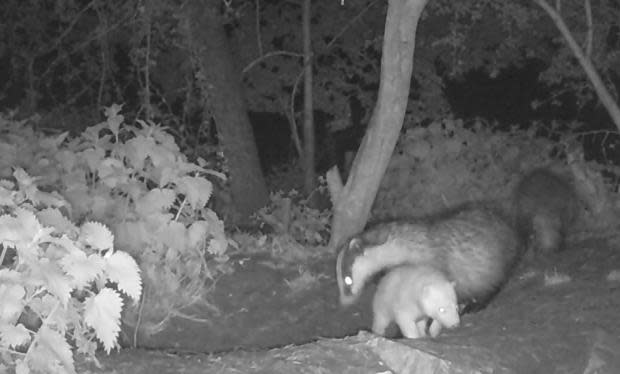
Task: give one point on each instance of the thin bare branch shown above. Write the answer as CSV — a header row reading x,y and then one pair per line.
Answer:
x,y
259,41
268,55
590,33
351,22
54,45
599,86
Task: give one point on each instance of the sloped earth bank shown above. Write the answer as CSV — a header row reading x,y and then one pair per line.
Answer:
x,y
530,327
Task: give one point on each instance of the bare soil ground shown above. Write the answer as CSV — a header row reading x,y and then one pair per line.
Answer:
x,y
266,327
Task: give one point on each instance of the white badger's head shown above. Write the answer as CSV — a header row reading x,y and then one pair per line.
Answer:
x,y
440,303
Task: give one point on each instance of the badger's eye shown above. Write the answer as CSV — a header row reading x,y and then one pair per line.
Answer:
x,y
348,280
442,310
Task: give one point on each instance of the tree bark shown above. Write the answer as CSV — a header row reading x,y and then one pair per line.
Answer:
x,y
222,88
309,144
352,202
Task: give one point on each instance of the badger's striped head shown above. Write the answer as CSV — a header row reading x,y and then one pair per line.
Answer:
x,y
346,265
357,262
366,255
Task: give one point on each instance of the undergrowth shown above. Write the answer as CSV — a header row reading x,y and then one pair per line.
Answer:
x,y
449,162
134,179
61,284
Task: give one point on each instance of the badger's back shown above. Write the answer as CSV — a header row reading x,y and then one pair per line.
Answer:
x,y
479,248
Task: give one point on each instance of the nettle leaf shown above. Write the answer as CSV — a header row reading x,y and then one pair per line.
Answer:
x,y
158,145
9,276
21,367
136,150
43,306
85,344
51,199
131,236
52,217
11,231
166,175
13,336
26,183
162,157
173,235
158,132
93,157
83,269
12,296
197,190
197,233
6,197
99,204
114,119
102,312
62,246
112,172
52,143
155,201
123,269
96,235
218,245
31,228
52,346
55,280
66,159
78,197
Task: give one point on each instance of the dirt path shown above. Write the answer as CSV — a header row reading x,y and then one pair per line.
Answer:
x,y
527,327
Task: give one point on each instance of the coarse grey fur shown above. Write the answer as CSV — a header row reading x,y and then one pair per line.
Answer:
x,y
474,245
545,205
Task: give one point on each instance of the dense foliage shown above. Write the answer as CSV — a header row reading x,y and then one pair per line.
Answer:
x,y
56,281
71,57
135,180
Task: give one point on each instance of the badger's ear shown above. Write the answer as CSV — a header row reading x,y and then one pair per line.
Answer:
x,y
376,235
382,236
355,244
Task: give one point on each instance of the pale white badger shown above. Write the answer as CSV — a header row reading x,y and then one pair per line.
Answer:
x,y
545,204
473,244
411,294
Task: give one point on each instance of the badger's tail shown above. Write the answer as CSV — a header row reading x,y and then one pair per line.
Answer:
x,y
544,206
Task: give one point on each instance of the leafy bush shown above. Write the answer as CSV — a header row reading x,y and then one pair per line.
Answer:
x,y
291,230
56,281
135,180
289,213
448,162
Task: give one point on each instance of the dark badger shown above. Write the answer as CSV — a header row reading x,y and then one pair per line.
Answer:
x,y
474,245
544,205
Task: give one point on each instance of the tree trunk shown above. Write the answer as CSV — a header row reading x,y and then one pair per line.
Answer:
x,y
221,84
352,202
309,146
